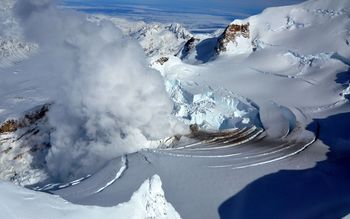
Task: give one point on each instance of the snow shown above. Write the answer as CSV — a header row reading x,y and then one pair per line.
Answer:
x,y
147,202
22,154
123,167
241,45
81,74
292,81
156,39
276,123
263,93
13,51
209,108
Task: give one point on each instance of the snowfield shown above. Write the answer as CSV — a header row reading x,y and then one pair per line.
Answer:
x,y
96,109
147,202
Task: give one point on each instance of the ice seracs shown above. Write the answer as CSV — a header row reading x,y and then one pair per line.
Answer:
x,y
211,109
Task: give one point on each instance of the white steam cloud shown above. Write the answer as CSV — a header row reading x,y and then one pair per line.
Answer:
x,y
108,101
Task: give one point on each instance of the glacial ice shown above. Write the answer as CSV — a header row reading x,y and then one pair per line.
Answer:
x,y
211,108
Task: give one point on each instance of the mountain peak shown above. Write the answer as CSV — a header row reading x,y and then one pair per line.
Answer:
x,y
231,35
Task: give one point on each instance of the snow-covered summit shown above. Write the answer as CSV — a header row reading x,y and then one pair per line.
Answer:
x,y
279,27
235,39
157,39
316,22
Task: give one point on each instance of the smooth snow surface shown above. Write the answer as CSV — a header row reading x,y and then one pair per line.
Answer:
x,y
147,202
124,166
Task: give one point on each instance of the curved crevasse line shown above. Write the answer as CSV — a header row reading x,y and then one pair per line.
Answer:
x,y
123,168
246,140
322,108
56,186
243,130
203,146
285,76
285,147
268,161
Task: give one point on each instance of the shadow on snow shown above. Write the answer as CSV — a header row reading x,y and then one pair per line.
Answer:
x,y
320,192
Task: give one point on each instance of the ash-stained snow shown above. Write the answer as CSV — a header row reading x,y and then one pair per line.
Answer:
x,y
23,152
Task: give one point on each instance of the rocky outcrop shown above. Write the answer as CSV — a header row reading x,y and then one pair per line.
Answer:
x,y
188,47
162,60
29,119
231,33
24,145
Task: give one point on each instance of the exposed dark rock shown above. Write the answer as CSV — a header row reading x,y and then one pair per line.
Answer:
x,y
194,128
7,150
9,126
230,35
29,119
188,47
162,60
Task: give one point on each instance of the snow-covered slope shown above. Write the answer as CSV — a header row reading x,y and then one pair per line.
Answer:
x,y
156,39
261,81
253,60
13,50
211,109
282,27
277,59
317,21
147,202
26,88
9,25
24,144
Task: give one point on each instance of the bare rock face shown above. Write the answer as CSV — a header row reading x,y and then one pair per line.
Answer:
x,y
24,144
231,33
29,119
9,126
188,47
194,128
